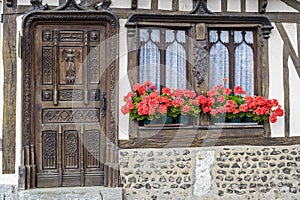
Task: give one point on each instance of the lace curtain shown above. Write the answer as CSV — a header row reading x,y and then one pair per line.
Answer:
x,y
243,66
152,43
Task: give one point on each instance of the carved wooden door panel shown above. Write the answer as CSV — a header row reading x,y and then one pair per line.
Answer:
x,y
69,107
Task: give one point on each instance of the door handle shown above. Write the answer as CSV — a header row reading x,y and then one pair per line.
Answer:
x,y
103,103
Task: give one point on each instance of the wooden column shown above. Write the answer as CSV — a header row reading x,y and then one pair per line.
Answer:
x,y
9,90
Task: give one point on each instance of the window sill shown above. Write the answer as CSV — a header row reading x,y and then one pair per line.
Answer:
x,y
159,136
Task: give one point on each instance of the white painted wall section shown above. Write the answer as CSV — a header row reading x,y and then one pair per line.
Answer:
x,y
49,2
276,78
165,4
233,6
144,4
214,5
185,5
291,30
124,85
120,4
251,5
279,6
294,100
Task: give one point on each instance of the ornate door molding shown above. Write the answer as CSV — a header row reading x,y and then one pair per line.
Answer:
x,y
71,56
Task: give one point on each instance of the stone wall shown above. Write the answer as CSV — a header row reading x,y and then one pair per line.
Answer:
x,y
211,173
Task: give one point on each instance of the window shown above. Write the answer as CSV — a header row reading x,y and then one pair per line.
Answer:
x,y
163,57
232,55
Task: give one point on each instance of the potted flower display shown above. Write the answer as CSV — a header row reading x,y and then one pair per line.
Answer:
x,y
227,105
145,103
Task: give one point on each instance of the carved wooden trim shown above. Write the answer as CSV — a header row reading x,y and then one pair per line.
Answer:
x,y
265,25
201,8
262,6
134,4
71,13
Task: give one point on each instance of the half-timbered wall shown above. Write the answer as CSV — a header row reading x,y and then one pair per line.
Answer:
x,y
283,58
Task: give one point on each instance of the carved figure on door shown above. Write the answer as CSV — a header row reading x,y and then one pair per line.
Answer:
x,y
70,56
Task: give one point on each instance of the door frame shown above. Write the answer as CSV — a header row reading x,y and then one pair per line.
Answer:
x,y
70,12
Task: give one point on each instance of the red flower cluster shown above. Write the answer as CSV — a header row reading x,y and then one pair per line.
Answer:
x,y
220,101
145,102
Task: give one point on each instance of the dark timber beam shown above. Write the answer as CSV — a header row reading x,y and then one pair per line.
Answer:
x,y
9,91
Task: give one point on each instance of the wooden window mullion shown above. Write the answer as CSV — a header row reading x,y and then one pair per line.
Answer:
x,y
163,57
231,59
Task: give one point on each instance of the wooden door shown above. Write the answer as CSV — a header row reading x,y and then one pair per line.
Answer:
x,y
70,105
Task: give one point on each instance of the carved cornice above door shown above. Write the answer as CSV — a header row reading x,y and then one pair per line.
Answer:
x,y
201,8
70,5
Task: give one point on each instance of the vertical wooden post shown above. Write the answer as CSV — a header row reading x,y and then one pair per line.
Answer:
x,y
9,90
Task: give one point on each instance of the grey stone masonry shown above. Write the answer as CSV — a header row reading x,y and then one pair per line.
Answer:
x,y
248,172
157,174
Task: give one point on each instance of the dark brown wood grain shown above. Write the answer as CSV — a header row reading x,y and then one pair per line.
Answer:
x,y
9,91
204,136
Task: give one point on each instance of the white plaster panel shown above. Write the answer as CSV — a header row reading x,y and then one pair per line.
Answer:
x,y
214,5
124,85
251,5
294,100
276,78
49,2
120,4
144,4
279,6
234,6
185,5
165,4
291,30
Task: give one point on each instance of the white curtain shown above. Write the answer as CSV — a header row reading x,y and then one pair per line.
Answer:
x,y
150,56
243,61
175,59
219,58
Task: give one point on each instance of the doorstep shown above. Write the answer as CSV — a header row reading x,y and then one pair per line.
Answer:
x,y
72,193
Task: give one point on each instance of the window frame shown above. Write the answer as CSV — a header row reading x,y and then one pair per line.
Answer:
x,y
231,55
163,49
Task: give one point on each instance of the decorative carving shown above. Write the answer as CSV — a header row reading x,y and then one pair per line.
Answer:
x,y
47,95
61,17
263,21
93,148
134,4
71,36
262,6
47,35
200,61
94,36
94,95
69,55
103,103
70,115
70,95
94,66
70,5
49,149
71,138
47,65
201,8
37,5
105,5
